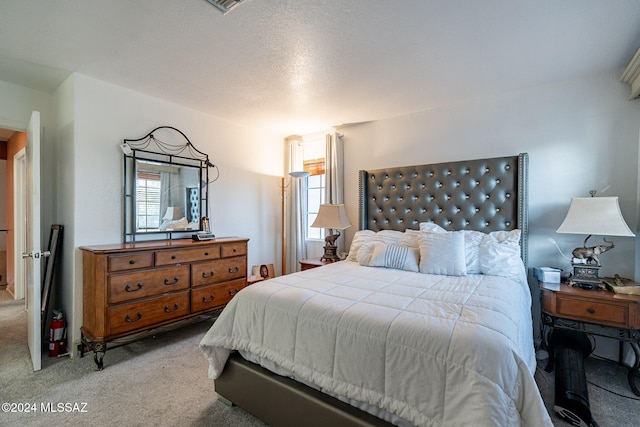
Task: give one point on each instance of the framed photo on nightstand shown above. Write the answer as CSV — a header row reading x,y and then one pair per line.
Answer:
x,y
264,271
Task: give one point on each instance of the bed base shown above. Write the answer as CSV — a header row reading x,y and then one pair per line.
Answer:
x,y
282,402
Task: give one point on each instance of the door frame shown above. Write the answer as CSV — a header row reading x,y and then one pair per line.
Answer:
x,y
19,221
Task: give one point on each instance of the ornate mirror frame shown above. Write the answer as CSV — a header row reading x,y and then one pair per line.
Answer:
x,y
165,148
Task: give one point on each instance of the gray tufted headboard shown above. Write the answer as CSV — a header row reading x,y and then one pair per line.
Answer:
x,y
485,195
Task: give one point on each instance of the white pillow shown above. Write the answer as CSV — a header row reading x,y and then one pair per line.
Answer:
x,y
390,237
378,254
472,240
500,255
442,253
431,227
410,238
361,237
174,224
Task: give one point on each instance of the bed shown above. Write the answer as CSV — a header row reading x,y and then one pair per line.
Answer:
x,y
427,322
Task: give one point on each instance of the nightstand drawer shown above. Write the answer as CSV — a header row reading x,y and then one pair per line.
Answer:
x,y
590,311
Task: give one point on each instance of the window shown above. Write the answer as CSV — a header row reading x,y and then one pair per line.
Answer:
x,y
315,197
314,163
148,200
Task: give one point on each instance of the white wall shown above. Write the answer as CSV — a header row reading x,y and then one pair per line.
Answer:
x,y
16,105
96,116
580,135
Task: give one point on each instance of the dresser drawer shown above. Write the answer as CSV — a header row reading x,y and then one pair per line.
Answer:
x,y
128,286
139,314
597,312
130,261
234,249
212,296
184,256
206,273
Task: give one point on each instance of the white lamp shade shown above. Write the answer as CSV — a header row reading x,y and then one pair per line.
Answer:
x,y
595,215
333,217
172,213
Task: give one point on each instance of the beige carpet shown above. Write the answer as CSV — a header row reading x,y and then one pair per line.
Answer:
x,y
156,381
162,380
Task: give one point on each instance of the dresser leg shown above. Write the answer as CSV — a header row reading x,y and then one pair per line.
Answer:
x,y
98,357
99,348
634,375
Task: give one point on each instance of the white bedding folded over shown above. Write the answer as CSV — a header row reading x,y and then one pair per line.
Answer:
x,y
433,350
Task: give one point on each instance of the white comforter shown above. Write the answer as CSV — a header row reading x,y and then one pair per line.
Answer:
x,y
433,350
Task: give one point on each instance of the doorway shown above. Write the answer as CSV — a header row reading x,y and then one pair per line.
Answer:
x,y
13,209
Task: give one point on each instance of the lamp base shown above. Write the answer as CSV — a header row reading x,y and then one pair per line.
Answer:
x,y
330,254
586,276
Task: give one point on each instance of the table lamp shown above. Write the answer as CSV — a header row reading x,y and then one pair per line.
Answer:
x,y
333,217
592,216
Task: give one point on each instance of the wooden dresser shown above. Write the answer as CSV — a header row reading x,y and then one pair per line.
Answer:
x,y
133,287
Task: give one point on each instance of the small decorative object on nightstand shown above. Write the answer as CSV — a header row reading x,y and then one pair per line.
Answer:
x,y
308,264
596,312
592,215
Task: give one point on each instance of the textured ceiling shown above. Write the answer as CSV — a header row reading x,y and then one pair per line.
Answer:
x,y
296,66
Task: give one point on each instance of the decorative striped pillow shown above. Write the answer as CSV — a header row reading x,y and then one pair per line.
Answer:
x,y
378,254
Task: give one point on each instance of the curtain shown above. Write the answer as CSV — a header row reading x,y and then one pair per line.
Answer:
x,y
165,194
295,193
334,170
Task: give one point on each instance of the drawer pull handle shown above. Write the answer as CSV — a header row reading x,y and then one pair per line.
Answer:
x,y
128,288
205,274
232,293
233,270
235,250
206,254
128,319
591,310
168,310
175,280
173,257
132,261
208,300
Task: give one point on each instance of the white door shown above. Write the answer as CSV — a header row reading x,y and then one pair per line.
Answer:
x,y
32,253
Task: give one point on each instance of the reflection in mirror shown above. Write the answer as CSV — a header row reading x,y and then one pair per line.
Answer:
x,y
167,197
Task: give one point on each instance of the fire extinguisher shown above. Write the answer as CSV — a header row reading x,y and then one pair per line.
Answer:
x,y
56,333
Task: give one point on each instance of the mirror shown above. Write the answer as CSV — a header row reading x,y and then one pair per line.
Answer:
x,y
167,197
166,189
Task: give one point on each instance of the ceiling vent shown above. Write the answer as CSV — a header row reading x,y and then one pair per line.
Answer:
x,y
224,6
631,75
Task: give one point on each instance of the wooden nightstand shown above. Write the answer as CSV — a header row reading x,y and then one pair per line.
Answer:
x,y
308,264
594,312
